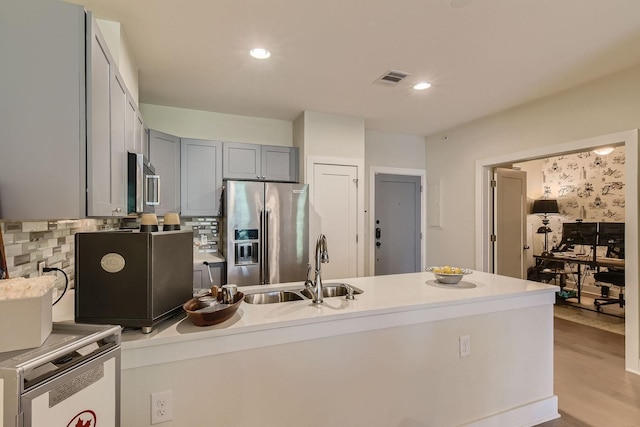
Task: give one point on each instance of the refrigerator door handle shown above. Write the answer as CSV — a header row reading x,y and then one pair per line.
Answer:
x,y
265,246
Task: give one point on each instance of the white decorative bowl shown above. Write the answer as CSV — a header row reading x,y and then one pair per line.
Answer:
x,y
449,279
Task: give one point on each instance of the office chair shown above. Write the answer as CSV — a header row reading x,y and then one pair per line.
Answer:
x,y
612,276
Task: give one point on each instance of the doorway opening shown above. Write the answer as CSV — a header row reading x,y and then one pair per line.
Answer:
x,y
484,218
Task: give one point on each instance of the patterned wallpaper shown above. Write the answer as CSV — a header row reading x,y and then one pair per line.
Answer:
x,y
587,186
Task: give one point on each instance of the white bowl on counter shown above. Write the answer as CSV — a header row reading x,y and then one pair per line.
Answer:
x,y
449,278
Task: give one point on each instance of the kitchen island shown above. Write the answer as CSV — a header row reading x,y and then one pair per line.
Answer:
x,y
391,357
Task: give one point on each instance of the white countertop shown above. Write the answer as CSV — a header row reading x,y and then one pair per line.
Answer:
x,y
387,301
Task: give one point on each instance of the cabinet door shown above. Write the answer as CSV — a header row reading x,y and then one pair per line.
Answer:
x,y
105,144
164,155
201,180
131,128
279,163
42,111
241,161
142,136
118,170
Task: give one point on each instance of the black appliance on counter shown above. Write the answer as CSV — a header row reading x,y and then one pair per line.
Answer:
x,y
130,278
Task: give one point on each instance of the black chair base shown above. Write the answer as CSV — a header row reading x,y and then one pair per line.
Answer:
x,y
599,302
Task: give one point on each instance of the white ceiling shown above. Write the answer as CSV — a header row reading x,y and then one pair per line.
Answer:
x,y
483,57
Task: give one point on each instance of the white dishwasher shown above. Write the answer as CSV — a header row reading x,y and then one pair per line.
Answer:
x,y
72,380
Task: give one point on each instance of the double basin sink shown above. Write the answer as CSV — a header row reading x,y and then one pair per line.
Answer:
x,y
276,296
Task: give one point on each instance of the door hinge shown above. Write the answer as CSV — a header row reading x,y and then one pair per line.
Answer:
x,y
356,238
493,238
421,236
355,181
421,188
494,183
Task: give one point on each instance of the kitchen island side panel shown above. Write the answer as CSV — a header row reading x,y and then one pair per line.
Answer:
x,y
398,376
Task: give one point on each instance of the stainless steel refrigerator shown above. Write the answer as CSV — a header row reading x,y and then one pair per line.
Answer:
x,y
266,232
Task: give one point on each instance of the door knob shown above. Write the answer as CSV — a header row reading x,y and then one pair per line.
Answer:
x,y
378,244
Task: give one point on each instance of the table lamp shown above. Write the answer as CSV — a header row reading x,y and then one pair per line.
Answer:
x,y
545,207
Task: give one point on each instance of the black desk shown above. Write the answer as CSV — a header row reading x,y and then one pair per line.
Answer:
x,y
579,260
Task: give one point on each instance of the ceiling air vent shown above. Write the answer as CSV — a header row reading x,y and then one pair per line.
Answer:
x,y
392,77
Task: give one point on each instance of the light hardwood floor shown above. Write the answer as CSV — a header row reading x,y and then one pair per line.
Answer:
x,y
592,386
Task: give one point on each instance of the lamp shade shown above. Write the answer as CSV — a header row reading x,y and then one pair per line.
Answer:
x,y
545,206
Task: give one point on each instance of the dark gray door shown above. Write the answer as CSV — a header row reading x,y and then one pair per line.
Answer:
x,y
397,224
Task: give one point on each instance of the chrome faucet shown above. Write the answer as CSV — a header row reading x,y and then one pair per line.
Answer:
x,y
322,256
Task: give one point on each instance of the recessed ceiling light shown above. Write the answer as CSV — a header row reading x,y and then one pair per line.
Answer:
x,y
603,151
260,53
422,86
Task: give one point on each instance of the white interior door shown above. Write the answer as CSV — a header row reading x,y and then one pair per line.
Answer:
x,y
510,203
335,201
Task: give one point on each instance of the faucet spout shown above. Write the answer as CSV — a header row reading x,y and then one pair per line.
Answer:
x,y
322,257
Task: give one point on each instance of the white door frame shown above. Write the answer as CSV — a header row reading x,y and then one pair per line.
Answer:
x,y
373,170
483,220
310,162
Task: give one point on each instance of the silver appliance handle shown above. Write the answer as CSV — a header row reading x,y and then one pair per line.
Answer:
x,y
265,246
261,245
152,190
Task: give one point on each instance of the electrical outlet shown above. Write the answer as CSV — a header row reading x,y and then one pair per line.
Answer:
x,y
465,346
161,407
41,266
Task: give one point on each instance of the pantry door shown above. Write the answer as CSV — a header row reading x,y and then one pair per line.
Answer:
x,y
334,204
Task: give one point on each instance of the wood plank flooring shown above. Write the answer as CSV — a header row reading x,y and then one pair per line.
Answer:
x,y
592,386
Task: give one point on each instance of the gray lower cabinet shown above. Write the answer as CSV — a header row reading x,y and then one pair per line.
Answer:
x,y
260,162
201,278
58,158
164,155
201,177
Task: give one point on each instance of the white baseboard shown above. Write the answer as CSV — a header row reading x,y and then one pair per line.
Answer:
x,y
523,416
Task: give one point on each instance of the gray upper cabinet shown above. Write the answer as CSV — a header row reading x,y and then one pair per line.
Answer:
x,y
279,163
164,155
63,116
106,117
201,177
260,162
136,134
42,160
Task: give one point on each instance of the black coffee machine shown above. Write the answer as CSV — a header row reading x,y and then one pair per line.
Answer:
x,y
131,278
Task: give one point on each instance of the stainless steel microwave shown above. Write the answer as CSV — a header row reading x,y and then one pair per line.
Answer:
x,y
143,185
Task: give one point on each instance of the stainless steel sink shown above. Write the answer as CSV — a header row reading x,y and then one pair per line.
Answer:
x,y
272,297
333,290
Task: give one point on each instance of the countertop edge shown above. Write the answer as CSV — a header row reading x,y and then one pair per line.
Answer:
x,y
145,352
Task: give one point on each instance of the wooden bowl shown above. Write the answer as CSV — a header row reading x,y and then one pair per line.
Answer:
x,y
207,318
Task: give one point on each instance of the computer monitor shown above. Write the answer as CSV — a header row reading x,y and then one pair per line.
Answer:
x,y
580,233
611,234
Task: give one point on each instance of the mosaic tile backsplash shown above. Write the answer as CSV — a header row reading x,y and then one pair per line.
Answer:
x,y
27,243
